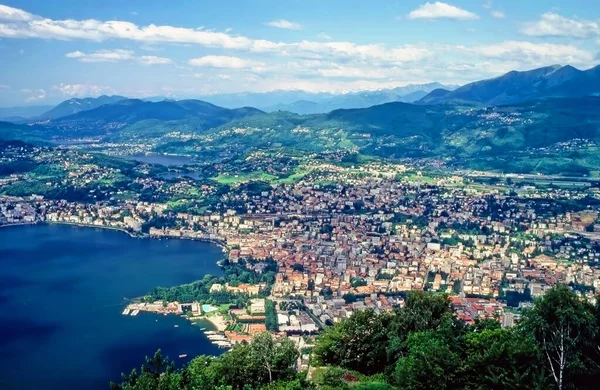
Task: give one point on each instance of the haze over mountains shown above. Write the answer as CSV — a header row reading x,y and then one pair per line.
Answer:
x,y
301,102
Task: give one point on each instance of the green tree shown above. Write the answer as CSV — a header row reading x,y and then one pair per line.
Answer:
x,y
358,343
564,327
502,359
430,363
277,359
423,311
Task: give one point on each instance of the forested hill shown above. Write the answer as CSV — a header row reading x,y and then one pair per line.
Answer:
x,y
110,118
556,345
515,138
548,136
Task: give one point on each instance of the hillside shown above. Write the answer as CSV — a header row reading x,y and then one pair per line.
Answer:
x,y
539,136
546,136
516,87
110,118
16,132
74,106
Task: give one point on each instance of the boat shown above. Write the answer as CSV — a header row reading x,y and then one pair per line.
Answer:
x,y
183,355
175,326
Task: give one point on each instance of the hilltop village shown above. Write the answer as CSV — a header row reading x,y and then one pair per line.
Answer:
x,y
362,239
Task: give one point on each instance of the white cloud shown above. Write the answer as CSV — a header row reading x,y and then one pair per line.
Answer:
x,y
14,14
153,60
3,86
285,24
225,62
100,31
552,24
103,56
535,54
439,10
34,95
324,37
117,55
498,14
237,63
82,90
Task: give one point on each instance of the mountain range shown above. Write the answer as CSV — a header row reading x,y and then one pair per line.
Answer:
x,y
515,87
22,113
74,106
301,102
548,121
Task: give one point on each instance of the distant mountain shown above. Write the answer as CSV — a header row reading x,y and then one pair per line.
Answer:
x,y
364,99
109,118
515,87
302,102
13,114
264,100
73,106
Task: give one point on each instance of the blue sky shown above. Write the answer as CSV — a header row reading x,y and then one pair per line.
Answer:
x,y
54,50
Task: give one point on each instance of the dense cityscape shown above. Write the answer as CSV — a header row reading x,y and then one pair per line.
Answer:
x,y
300,195
371,232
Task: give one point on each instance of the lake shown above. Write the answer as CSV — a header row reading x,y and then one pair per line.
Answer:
x,y
62,291
161,159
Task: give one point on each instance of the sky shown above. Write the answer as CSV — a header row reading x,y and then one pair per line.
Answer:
x,y
55,50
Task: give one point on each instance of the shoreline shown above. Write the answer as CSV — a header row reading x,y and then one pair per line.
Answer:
x,y
220,243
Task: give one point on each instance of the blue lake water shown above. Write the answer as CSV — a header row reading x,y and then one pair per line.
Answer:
x,y
161,159
62,291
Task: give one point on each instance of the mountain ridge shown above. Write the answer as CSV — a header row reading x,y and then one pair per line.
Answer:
x,y
76,105
553,81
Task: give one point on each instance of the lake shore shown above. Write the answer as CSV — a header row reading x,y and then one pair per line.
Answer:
x,y
217,321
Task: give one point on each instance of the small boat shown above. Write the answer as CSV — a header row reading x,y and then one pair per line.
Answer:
x,y
183,355
175,326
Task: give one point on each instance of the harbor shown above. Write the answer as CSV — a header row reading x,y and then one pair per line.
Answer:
x,y
195,313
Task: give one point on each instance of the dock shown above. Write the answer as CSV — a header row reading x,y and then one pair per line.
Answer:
x,y
126,312
135,312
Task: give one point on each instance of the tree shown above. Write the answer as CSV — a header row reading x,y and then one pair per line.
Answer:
x,y
327,292
358,343
271,322
564,327
430,363
423,311
278,360
156,373
501,358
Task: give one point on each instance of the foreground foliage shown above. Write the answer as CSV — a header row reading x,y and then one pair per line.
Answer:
x,y
421,346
